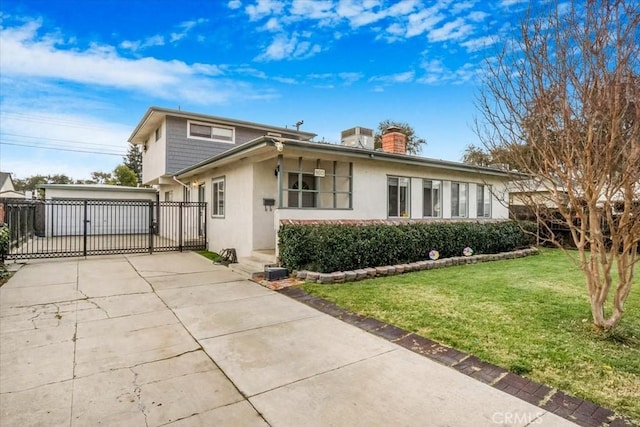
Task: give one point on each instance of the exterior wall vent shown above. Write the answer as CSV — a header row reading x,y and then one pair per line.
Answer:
x,y
357,137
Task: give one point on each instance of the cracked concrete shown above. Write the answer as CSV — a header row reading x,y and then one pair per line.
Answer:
x,y
172,339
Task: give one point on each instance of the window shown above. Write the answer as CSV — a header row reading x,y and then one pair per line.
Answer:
x,y
168,196
432,198
458,200
159,133
314,183
186,194
483,197
217,197
398,195
211,132
302,190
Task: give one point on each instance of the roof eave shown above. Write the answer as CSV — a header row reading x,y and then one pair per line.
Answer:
x,y
263,141
208,117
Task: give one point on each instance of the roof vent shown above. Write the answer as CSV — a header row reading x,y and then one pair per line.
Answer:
x,y
357,137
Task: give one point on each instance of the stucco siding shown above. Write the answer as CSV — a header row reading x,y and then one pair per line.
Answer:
x,y
154,158
370,193
265,186
235,228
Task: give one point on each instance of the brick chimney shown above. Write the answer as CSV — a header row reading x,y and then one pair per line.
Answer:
x,y
394,141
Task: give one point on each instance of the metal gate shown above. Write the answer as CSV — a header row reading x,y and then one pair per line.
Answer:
x,y
66,228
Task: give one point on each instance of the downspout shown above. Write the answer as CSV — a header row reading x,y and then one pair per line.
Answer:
x,y
180,182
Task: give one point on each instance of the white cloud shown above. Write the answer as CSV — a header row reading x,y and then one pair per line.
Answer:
x,y
422,21
405,77
285,47
350,78
477,16
152,41
461,6
403,7
435,72
234,4
316,9
479,43
26,55
509,3
185,28
453,30
264,8
360,13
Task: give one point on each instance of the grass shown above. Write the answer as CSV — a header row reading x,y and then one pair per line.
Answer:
x,y
529,315
210,255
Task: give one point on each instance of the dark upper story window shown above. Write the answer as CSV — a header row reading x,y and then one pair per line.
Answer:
x,y
211,132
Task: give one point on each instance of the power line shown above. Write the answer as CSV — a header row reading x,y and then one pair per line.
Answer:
x,y
55,139
62,149
53,120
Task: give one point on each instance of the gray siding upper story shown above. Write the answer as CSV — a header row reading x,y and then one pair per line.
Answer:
x,y
183,152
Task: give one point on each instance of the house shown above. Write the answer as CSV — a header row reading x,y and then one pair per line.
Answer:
x,y
7,190
271,176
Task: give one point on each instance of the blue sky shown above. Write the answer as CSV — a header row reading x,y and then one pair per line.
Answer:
x,y
79,75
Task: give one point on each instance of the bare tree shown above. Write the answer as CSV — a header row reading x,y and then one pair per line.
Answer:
x,y
563,100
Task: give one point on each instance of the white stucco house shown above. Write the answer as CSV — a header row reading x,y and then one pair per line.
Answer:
x,y
256,177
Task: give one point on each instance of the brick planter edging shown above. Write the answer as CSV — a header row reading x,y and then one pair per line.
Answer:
x,y
572,408
391,270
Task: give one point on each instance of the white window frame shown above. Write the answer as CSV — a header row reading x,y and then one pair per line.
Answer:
x,y
407,196
216,198
483,197
212,126
460,205
438,203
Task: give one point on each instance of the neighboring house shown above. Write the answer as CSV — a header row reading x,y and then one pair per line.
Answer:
x,y
253,187
7,190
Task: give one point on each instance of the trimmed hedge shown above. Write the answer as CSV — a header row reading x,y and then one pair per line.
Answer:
x,y
329,247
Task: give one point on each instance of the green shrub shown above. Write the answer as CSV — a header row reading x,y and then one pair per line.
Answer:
x,y
329,247
4,240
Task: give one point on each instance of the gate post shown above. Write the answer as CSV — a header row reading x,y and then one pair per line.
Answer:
x,y
151,226
180,212
84,249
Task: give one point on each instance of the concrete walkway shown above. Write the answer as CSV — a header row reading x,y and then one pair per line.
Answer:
x,y
171,338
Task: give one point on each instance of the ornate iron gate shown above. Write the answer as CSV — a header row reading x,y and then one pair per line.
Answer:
x,y
66,228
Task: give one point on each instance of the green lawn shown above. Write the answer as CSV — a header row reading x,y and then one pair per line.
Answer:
x,y
529,315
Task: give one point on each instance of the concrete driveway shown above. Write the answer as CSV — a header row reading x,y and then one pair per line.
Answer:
x,y
171,338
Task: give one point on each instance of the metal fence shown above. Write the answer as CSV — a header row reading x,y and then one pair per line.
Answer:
x,y
65,228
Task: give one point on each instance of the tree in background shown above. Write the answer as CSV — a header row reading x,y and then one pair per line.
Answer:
x,y
123,175
133,160
99,177
562,101
414,143
476,156
30,183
